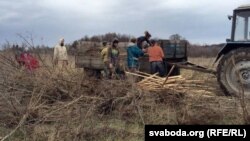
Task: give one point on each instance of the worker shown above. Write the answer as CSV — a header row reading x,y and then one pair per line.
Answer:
x,y
104,45
98,73
115,65
110,56
142,39
28,61
60,55
106,58
18,51
133,54
156,56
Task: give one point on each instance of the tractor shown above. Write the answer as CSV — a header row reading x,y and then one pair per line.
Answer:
x,y
233,70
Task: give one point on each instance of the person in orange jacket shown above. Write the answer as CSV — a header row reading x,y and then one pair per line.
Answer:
x,y
156,56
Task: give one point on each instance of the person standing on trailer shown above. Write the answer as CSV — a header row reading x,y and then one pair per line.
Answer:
x,y
142,39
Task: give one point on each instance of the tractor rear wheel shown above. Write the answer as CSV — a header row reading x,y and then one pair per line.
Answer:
x,y
234,72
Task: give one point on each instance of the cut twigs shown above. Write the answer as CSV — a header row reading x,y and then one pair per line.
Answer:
x,y
18,126
175,83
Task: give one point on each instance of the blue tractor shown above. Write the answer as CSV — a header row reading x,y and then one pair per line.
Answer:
x,y
233,70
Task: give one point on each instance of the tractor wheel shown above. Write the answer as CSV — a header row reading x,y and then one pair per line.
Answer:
x,y
234,72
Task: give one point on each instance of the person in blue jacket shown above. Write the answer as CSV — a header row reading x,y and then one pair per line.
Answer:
x,y
133,54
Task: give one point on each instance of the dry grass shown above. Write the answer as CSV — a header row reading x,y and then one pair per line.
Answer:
x,y
49,105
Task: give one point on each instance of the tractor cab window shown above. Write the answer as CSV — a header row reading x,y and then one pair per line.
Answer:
x,y
242,26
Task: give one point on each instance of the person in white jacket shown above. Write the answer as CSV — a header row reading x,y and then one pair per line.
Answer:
x,y
60,54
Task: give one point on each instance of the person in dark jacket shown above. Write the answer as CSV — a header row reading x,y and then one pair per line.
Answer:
x,y
142,39
133,54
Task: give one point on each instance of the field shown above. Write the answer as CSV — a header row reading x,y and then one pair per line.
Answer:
x,y
53,104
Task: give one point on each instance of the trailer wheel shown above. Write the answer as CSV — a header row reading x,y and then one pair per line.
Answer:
x,y
234,72
89,72
93,73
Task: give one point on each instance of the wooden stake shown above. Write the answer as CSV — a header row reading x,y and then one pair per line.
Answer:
x,y
168,75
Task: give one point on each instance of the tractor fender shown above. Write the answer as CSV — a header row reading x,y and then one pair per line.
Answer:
x,y
231,46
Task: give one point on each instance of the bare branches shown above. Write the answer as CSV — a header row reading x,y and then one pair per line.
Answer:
x,y
18,126
70,106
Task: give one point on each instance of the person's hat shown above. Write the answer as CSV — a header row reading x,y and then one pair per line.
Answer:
x,y
26,49
152,41
104,42
61,40
133,40
115,40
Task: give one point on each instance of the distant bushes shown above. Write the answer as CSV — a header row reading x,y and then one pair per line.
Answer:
x,y
204,50
194,50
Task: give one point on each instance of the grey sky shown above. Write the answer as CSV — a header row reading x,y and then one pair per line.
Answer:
x,y
199,21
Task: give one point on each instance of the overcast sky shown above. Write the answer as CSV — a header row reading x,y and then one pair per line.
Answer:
x,y
199,21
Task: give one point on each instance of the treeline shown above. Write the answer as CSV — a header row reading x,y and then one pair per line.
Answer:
x,y
194,50
108,37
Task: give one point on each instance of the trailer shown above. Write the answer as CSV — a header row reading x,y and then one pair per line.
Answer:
x,y
233,69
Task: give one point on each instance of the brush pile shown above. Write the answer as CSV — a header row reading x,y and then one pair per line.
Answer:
x,y
66,105
178,84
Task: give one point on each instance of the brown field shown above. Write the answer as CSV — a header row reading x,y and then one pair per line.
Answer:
x,y
67,105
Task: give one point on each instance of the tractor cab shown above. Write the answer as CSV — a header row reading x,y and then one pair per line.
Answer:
x,y
240,33
241,24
